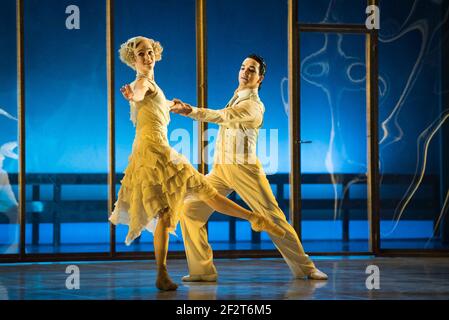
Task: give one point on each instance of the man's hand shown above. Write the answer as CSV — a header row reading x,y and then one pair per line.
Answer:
x,y
180,107
127,92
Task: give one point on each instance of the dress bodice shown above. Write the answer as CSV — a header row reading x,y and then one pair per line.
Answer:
x,y
152,114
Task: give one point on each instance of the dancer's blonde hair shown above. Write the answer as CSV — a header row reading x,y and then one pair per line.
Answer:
x,y
127,50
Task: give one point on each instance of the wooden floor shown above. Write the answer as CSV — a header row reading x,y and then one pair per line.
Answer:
x,y
258,279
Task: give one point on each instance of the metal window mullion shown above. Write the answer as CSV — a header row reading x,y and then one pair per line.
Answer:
x,y
21,128
372,140
372,101
332,27
111,118
201,79
201,72
294,116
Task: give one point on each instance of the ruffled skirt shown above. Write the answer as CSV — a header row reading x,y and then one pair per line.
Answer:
x,y
157,179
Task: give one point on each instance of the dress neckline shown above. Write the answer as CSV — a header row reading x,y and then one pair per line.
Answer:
x,y
144,76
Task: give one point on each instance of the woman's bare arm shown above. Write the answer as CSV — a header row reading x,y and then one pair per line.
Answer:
x,y
136,94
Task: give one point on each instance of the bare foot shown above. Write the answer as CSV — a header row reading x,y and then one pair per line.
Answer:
x,y
164,282
261,223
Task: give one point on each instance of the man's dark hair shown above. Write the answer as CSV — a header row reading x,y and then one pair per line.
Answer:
x,y
262,64
261,61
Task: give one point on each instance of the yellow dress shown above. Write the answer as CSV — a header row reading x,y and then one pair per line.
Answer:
x,y
157,178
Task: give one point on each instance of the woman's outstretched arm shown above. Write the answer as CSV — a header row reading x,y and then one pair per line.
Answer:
x,y
136,94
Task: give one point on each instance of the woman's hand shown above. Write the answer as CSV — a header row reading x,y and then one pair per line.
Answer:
x,y
180,107
127,92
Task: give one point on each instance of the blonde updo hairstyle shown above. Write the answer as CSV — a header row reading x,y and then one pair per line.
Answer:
x,y
127,50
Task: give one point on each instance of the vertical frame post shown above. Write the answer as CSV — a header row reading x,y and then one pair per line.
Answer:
x,y
21,128
111,117
201,76
372,102
294,116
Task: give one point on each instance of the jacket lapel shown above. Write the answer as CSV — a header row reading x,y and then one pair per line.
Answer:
x,y
238,100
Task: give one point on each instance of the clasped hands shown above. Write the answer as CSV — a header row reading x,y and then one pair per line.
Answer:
x,y
177,107
180,107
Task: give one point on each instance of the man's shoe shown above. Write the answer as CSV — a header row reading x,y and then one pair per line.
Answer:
x,y
200,278
317,275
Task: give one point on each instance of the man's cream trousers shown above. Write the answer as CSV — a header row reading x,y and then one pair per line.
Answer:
x,y
250,182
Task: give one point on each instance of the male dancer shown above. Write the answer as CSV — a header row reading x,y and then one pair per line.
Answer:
x,y
237,168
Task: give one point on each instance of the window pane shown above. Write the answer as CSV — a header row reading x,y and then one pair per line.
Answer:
x,y
333,162
244,31
414,124
66,127
336,11
9,228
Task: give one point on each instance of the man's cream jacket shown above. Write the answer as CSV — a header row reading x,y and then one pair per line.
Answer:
x,y
239,125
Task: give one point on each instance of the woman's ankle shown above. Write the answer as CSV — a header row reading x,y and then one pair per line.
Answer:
x,y
162,269
253,216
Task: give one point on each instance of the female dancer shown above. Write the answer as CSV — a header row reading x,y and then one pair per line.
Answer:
x,y
157,178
